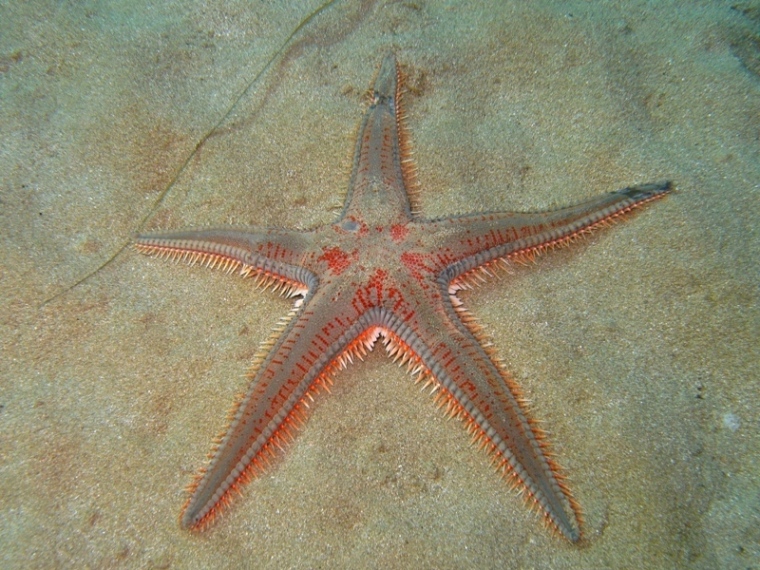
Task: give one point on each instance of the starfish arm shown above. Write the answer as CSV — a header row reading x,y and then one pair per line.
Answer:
x,y
473,241
377,191
471,384
297,362
274,256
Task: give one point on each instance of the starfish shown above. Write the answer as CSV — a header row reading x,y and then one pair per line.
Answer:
x,y
383,270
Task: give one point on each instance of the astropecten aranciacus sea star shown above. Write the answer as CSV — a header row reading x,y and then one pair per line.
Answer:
x,y
383,270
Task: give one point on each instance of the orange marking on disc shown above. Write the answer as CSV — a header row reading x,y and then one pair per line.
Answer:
x,y
337,259
399,232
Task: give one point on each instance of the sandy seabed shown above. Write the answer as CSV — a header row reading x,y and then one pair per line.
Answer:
x,y
639,347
